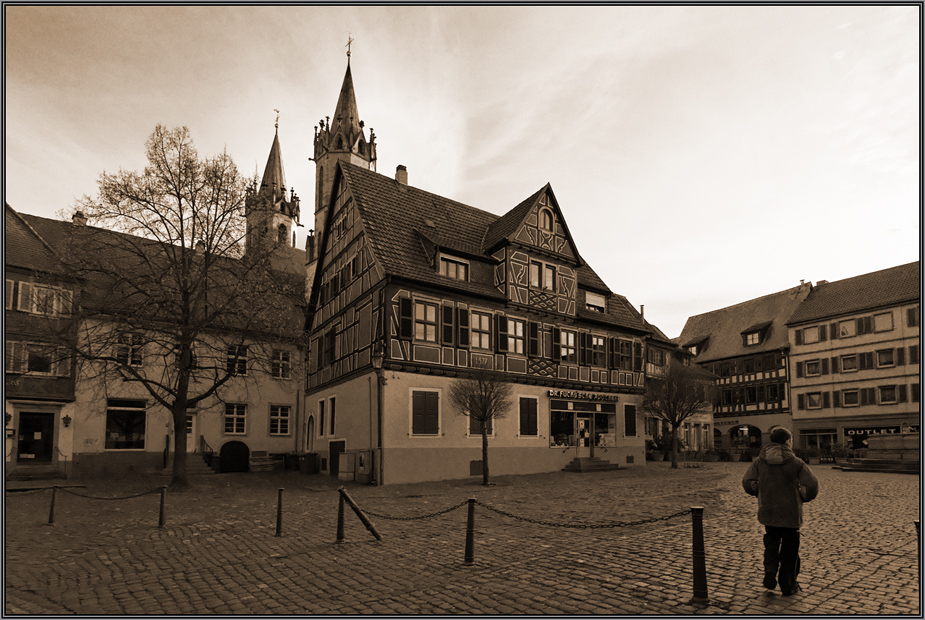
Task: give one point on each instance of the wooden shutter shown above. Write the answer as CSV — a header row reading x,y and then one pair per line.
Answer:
x,y
405,318
25,297
822,333
835,365
528,416
900,356
501,339
611,352
825,365
910,317
637,356
448,324
533,339
556,345
801,401
836,399
826,401
582,348
11,286
760,396
833,331
799,336
462,323
799,369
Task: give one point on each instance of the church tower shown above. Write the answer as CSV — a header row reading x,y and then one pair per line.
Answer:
x,y
271,215
341,139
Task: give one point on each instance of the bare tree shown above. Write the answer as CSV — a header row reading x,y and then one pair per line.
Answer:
x,y
482,396
683,392
170,299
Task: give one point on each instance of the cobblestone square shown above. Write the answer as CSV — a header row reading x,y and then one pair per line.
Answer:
x,y
218,552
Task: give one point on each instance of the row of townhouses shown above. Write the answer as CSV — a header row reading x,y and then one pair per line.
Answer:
x,y
404,292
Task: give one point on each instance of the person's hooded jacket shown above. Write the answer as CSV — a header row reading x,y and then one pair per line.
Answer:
x,y
782,482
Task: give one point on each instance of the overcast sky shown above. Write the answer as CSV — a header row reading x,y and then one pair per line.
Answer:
x,y
701,155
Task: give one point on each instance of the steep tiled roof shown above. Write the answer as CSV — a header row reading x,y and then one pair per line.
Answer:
x,y
724,327
507,224
877,289
25,248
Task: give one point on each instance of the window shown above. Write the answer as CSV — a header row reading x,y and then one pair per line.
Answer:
x,y
237,359
912,317
598,351
329,347
321,418
772,392
847,329
814,400
545,219
567,349
849,363
594,301
915,392
887,394
129,350
280,364
813,368
885,358
850,398
37,358
515,336
475,426
528,426
748,365
38,298
751,395
235,418
626,355
883,322
332,410
914,354
425,321
535,269
425,413
481,330
549,278
655,356
279,419
10,286
125,424
752,338
810,335
454,269
282,235
629,420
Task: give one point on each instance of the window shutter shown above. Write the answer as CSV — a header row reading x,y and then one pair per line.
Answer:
x,y
900,356
501,340
612,353
637,356
556,344
910,317
462,323
448,324
835,369
822,333
799,369
406,318
799,336
10,285
826,400
833,331
760,394
868,324
901,391
825,365
62,363
800,401
862,361
533,346
836,399
432,425
25,297
417,412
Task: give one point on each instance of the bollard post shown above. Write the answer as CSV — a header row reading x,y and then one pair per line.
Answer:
x,y
160,518
51,511
340,520
700,563
470,533
359,513
279,514
918,541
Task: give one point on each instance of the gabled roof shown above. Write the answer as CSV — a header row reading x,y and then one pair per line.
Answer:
x,y
26,249
406,225
878,289
723,328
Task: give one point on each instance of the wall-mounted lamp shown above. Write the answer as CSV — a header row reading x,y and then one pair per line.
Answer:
x,y
9,418
66,420
378,356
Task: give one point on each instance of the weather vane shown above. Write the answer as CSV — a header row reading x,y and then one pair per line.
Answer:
x,y
277,118
349,41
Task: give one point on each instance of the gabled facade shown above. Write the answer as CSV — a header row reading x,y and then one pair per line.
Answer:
x,y
746,346
856,359
430,287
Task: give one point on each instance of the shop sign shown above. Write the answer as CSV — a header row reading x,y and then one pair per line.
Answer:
x,y
725,422
882,430
582,395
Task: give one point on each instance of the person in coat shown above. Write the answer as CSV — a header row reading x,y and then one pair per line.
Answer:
x,y
782,482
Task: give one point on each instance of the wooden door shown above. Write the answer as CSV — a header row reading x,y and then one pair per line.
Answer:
x,y
36,437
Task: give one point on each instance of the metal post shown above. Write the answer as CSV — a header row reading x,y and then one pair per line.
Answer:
x,y
470,533
51,511
918,541
359,513
340,520
279,514
700,564
160,518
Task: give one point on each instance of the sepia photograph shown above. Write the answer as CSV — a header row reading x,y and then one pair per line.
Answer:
x,y
604,309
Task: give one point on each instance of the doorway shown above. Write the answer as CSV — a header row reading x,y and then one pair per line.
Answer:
x,y
36,437
583,431
192,438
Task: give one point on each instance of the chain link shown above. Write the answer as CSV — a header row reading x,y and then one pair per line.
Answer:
x,y
154,490
32,492
428,516
590,526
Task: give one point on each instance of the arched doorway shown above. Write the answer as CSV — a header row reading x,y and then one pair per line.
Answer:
x,y
310,435
235,457
745,437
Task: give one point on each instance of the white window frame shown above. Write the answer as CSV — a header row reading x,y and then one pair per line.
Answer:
x,y
425,322
237,413
516,336
236,354
816,364
282,416
810,396
752,338
568,347
479,330
882,317
281,364
130,346
884,401
855,393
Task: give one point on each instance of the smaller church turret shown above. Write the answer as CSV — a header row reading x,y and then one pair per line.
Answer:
x,y
271,214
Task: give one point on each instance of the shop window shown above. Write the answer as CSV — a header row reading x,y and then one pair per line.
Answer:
x,y
235,418
821,439
528,417
279,419
425,413
125,424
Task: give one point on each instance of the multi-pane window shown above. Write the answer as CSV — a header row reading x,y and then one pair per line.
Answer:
x,y
125,424
598,351
481,330
549,278
542,276
454,269
425,413
655,357
515,336
885,358
887,393
850,398
129,349
625,358
237,359
752,338
279,419
528,417
37,358
280,364
846,329
536,270
849,363
38,298
595,301
425,321
772,393
751,395
568,352
235,418
545,220
883,322
813,368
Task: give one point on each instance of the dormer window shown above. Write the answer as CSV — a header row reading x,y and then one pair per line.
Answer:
x,y
756,334
546,219
455,269
752,339
595,301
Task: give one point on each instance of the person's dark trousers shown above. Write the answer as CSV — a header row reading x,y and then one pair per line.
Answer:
x,y
782,556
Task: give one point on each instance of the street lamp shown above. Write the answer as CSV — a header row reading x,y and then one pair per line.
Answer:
x,y
378,357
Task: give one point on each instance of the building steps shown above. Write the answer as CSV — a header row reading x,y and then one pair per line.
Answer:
x,y
44,471
589,463
195,465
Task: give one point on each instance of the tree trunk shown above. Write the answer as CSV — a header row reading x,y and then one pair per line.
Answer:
x,y
178,476
674,447
484,453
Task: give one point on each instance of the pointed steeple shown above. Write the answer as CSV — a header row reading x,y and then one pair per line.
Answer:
x,y
274,179
268,208
346,122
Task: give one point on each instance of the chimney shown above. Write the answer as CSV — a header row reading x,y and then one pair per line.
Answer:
x,y
200,246
642,311
401,174
79,218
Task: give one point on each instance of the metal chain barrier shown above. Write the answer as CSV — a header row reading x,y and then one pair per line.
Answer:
x,y
66,490
417,518
590,526
32,492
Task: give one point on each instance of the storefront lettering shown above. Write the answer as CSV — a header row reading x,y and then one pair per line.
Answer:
x,y
582,395
884,430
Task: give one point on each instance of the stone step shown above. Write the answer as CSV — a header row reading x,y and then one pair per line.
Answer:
x,y
34,472
590,463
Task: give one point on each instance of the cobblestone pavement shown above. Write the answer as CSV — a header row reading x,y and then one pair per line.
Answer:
x,y
218,552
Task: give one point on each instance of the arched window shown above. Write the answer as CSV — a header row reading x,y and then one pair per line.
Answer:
x,y
546,219
361,148
283,235
340,144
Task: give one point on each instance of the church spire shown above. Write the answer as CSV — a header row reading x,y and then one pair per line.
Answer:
x,y
268,208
